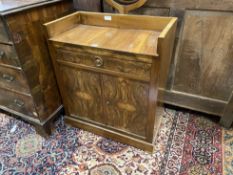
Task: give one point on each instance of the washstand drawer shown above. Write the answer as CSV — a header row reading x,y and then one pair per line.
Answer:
x,y
17,102
13,79
3,33
8,55
135,68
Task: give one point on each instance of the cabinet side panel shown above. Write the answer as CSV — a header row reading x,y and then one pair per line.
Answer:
x,y
26,28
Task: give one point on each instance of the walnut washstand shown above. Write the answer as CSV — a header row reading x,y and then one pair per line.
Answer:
x,y
108,68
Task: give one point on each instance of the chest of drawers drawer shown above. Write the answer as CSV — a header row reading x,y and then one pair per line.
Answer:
x,y
17,102
8,55
3,33
13,79
109,63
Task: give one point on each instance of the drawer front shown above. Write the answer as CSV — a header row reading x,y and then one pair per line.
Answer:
x,y
134,68
13,79
19,103
8,55
3,33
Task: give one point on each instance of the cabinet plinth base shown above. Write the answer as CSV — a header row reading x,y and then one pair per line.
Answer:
x,y
140,144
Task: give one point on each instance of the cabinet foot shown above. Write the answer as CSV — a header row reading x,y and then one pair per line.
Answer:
x,y
45,130
226,121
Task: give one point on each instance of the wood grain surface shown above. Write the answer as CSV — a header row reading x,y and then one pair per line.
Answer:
x,y
204,57
4,38
107,87
138,41
28,87
126,104
33,54
13,4
8,55
13,79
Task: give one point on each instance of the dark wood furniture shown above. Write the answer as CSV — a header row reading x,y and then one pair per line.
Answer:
x,y
108,83
125,6
27,83
201,76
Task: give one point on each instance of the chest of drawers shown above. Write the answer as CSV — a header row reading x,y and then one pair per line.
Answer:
x,y
27,83
108,69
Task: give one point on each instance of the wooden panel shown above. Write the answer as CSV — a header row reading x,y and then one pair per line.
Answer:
x,y
172,3
8,55
3,33
226,5
88,5
117,21
30,44
13,79
152,11
81,93
138,41
12,4
193,102
109,133
227,117
205,63
139,69
126,104
17,102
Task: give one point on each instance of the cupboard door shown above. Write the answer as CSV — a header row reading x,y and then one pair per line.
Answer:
x,y
126,104
81,93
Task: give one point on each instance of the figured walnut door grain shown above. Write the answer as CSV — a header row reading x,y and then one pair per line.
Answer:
x,y
125,104
82,93
205,60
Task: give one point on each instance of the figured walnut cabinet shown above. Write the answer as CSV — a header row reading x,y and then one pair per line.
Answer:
x,y
108,71
28,88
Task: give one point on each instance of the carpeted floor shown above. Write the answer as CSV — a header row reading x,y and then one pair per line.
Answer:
x,y
186,145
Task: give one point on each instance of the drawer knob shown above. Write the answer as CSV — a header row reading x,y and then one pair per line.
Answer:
x,y
19,103
99,61
8,77
2,53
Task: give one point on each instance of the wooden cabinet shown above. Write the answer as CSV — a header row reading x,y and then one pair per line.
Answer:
x,y
108,83
28,87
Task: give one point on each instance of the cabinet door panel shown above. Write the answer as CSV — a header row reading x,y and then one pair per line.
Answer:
x,y
126,104
82,93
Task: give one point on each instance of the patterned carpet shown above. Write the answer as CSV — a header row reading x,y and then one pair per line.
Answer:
x,y
186,144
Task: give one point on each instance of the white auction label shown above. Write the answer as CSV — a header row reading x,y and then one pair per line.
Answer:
x,y
107,18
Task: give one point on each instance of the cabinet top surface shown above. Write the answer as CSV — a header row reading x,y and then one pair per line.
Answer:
x,y
11,5
119,39
135,34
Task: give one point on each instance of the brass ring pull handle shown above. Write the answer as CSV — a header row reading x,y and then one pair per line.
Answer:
x,y
124,6
19,103
8,77
99,61
2,53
